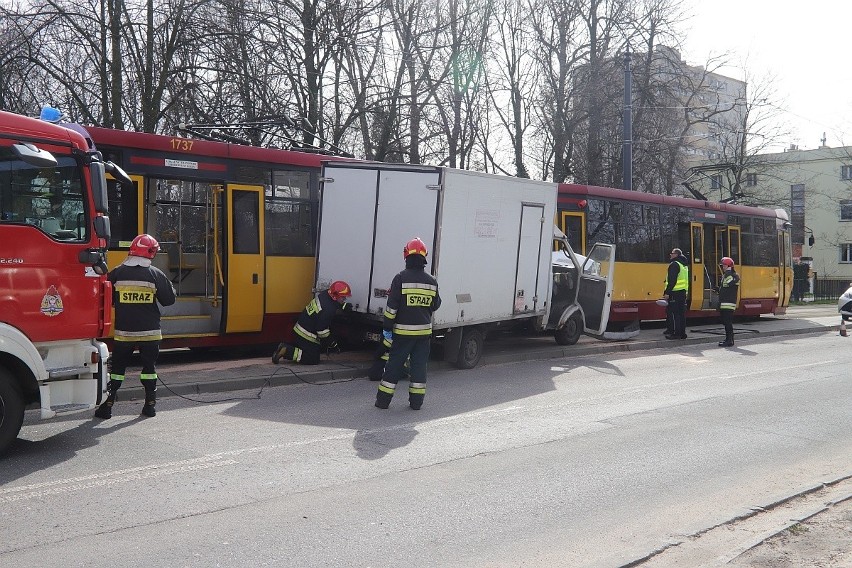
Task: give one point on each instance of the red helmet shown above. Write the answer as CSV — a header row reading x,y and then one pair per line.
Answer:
x,y
145,246
339,290
414,246
727,262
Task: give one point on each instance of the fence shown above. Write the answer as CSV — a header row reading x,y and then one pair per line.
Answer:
x,y
829,288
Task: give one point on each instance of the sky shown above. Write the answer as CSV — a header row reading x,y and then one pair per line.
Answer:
x,y
804,45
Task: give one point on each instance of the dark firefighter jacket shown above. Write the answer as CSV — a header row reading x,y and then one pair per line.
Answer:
x,y
728,290
412,298
136,290
314,323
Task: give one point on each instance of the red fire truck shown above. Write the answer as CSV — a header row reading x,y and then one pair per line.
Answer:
x,y
55,299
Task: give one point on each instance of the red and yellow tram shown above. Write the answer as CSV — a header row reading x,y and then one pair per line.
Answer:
x,y
646,226
237,227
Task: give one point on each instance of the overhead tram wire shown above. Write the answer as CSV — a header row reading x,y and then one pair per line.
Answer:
x,y
275,128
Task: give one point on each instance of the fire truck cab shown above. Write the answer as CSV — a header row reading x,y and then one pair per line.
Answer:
x,y
55,298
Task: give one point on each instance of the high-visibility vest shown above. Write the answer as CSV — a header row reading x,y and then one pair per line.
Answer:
x,y
682,278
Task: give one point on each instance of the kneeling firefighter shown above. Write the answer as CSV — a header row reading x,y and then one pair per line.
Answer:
x,y
137,289
313,328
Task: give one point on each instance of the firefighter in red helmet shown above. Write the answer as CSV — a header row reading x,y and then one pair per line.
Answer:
x,y
729,287
137,289
312,331
412,300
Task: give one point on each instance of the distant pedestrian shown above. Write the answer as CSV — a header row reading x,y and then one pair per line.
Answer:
x,y
412,300
677,285
137,289
728,290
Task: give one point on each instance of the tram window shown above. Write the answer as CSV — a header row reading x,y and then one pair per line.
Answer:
x,y
769,226
745,224
181,191
291,214
651,215
757,228
123,211
596,210
292,185
765,250
246,222
290,228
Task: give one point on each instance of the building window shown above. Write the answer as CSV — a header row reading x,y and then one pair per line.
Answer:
x,y
715,182
846,252
751,180
846,209
845,172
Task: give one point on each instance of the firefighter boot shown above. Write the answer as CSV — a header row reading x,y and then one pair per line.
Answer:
x,y
104,411
279,352
416,394
729,341
385,394
150,398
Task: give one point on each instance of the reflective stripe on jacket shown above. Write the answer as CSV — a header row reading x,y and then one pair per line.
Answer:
x,y
137,289
728,290
412,299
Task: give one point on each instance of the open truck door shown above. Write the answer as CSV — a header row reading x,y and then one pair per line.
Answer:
x,y
595,289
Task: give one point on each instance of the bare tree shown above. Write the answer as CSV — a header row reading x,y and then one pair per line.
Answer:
x,y
510,85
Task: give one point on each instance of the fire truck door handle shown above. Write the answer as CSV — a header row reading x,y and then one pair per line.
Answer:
x,y
254,278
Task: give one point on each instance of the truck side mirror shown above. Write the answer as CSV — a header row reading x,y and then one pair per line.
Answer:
x,y
95,259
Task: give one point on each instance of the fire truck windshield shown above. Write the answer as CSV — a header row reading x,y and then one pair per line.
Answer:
x,y
50,198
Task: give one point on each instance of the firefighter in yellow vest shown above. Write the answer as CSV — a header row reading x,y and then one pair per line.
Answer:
x,y
677,285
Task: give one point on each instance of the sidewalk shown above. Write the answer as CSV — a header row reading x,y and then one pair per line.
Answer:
x,y
187,374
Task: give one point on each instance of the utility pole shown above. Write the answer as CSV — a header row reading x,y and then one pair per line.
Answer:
x,y
627,145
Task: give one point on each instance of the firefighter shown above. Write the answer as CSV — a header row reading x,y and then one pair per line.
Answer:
x,y
137,289
313,328
728,289
412,300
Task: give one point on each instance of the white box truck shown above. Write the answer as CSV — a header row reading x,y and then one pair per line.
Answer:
x,y
490,241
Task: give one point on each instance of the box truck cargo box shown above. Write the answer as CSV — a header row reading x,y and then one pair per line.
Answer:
x,y
490,241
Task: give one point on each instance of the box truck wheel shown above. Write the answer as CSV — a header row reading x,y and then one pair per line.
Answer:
x,y
11,410
570,333
470,351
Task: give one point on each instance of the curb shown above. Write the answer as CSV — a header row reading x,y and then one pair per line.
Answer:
x,y
283,376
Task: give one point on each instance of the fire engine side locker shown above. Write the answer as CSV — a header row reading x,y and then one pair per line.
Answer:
x,y
489,240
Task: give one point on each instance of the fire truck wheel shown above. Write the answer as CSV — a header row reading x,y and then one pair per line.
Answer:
x,y
470,351
11,410
570,333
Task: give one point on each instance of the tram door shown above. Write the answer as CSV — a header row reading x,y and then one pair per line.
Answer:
x,y
245,279
699,278
727,244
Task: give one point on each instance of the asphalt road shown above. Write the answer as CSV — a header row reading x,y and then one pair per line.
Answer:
x,y
598,460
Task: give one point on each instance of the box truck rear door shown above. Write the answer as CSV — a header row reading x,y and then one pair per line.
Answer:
x,y
367,215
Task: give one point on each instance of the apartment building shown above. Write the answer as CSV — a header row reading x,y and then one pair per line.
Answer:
x,y
815,187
